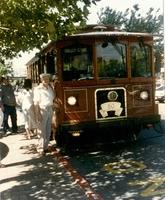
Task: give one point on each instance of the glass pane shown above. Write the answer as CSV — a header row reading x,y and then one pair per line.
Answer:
x,y
111,60
77,63
140,60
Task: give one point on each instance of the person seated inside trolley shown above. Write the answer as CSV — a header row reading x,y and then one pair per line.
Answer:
x,y
80,69
111,68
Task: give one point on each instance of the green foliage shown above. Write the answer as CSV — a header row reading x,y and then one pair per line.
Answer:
x,y
5,69
131,20
28,24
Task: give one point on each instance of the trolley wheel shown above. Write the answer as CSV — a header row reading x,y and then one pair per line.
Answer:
x,y
134,133
159,127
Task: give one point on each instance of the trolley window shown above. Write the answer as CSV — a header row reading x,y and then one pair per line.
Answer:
x,y
140,60
111,60
77,63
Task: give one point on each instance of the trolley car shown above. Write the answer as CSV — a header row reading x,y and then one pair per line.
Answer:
x,y
104,84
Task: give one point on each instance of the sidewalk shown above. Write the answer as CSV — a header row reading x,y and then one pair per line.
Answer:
x,y
29,176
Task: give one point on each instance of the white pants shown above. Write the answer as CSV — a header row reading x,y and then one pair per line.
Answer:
x,y
29,118
45,127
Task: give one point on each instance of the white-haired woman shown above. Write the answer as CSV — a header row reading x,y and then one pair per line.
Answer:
x,y
43,101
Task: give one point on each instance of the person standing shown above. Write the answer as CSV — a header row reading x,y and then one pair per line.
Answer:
x,y
43,101
1,106
27,105
9,105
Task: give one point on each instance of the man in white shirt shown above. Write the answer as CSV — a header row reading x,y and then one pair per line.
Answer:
x,y
43,101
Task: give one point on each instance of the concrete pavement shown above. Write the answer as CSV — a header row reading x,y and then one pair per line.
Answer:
x,y
29,176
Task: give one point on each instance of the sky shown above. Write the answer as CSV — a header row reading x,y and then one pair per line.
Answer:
x,y
19,64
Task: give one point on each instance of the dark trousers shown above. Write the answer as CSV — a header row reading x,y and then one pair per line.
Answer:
x,y
10,111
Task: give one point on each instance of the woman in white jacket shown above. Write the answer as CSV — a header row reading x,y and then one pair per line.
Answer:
x,y
28,108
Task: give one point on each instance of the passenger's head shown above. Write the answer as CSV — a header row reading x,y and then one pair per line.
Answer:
x,y
2,79
27,84
45,78
5,80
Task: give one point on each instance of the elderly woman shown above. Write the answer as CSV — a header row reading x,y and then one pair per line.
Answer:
x,y
43,101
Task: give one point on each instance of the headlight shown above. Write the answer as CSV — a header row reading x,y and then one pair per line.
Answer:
x,y
71,100
144,95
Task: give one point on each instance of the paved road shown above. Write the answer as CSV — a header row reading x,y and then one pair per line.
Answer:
x,y
127,171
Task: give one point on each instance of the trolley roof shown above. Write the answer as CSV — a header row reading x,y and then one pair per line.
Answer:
x,y
95,31
112,33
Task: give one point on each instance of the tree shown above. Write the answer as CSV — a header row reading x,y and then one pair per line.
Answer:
x,y
131,20
28,24
5,69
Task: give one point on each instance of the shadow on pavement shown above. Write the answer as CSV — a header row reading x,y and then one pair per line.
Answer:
x,y
44,179
4,150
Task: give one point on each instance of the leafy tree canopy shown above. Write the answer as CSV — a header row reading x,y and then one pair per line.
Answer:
x,y
132,19
5,69
28,24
